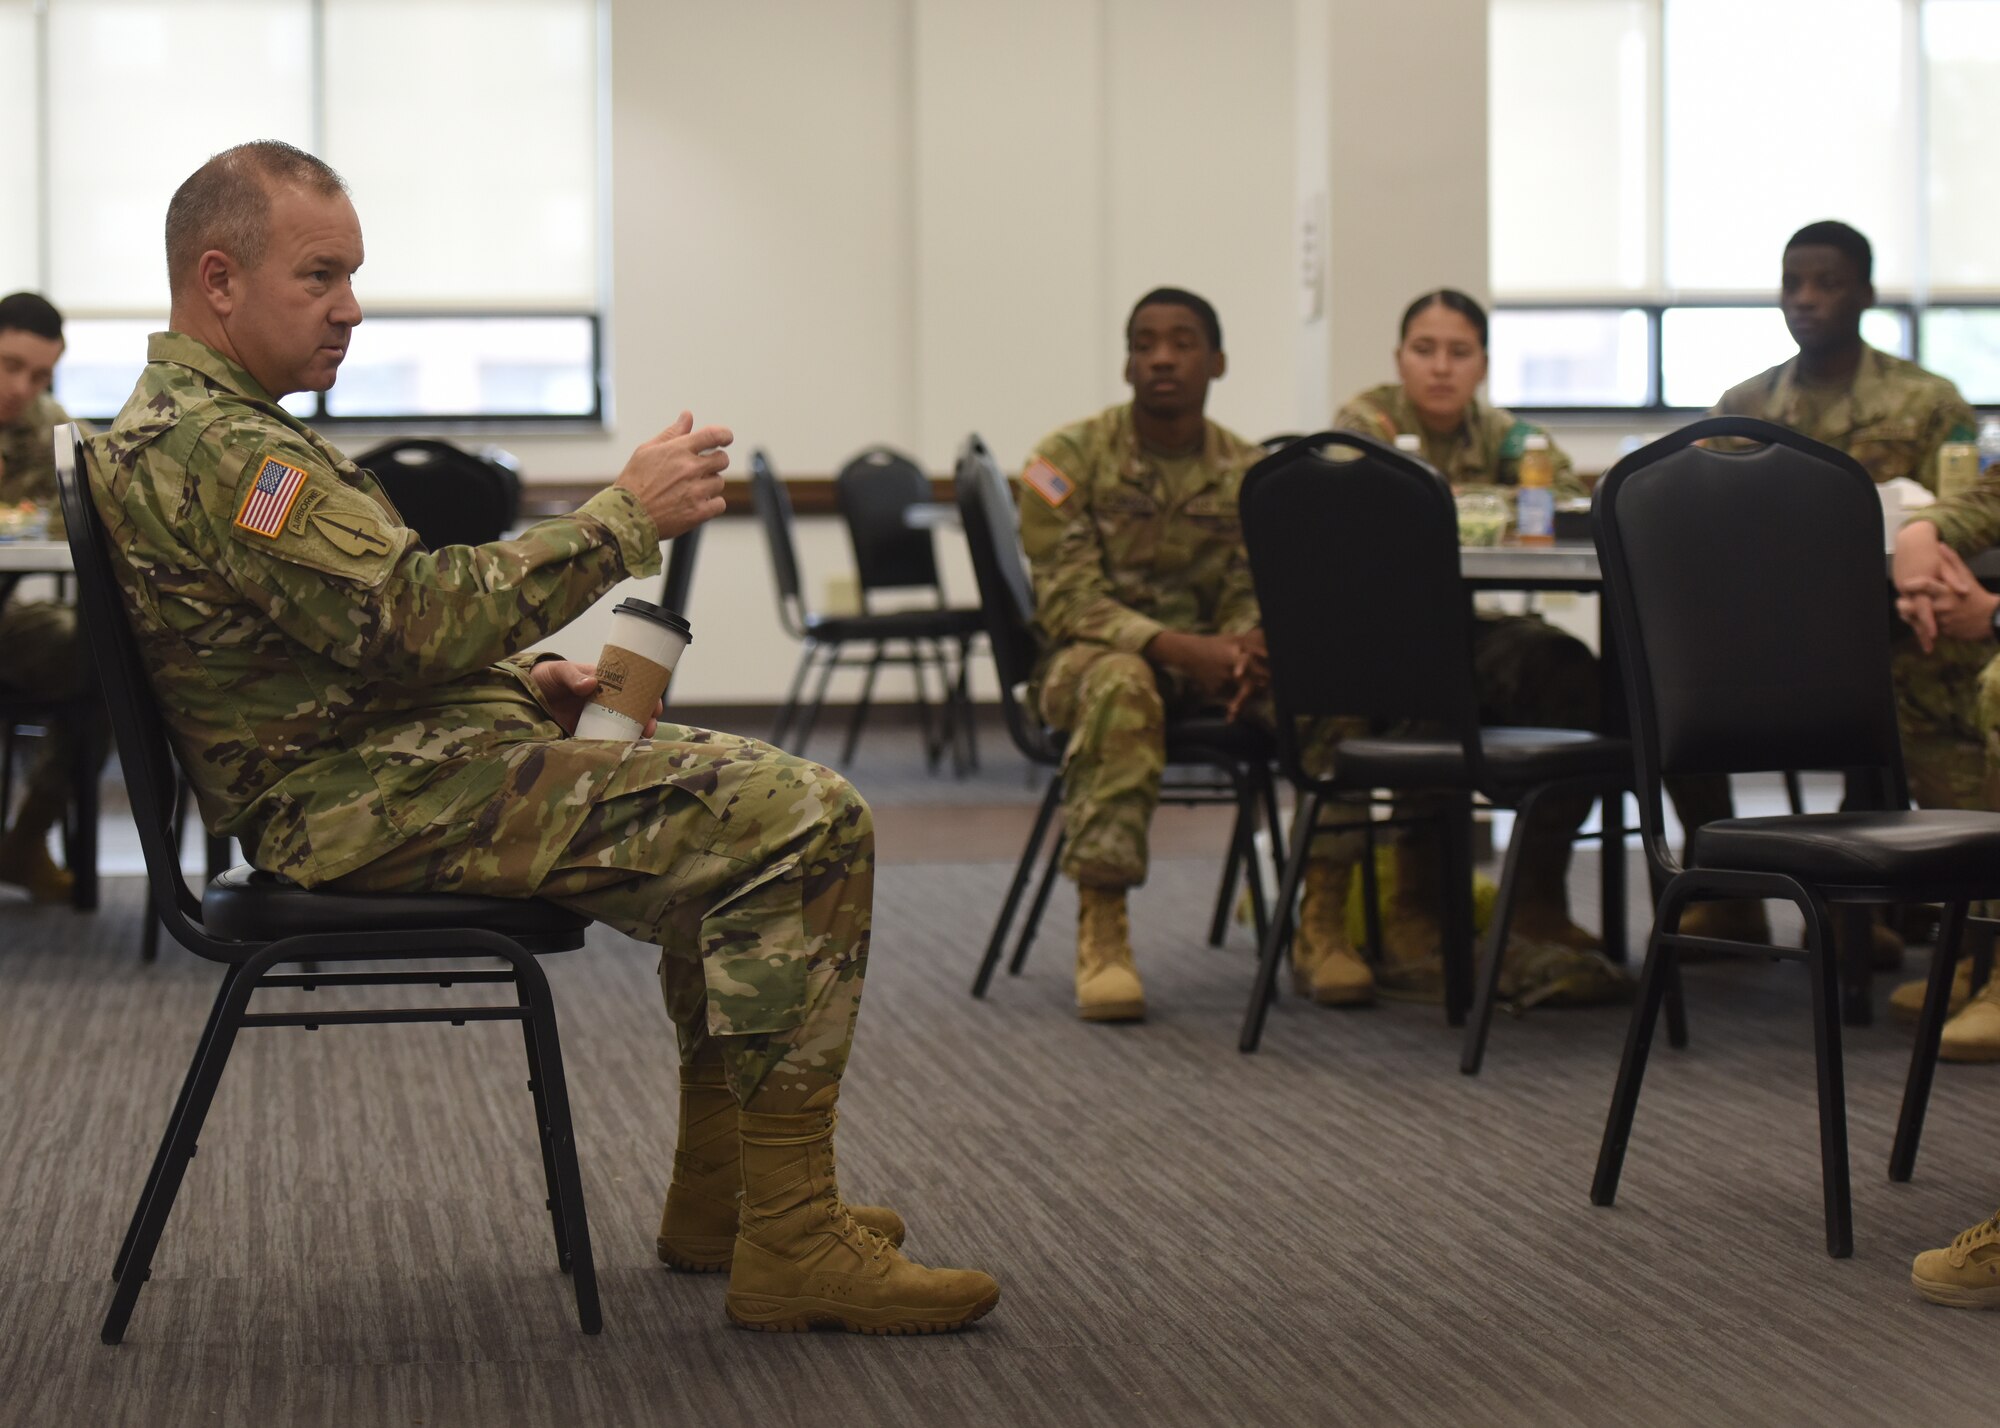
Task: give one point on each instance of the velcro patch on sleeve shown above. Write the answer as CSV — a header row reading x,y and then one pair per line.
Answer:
x,y
267,500
1043,477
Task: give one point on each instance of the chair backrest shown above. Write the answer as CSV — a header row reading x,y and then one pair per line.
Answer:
x,y
1354,552
1006,595
447,496
1752,611
774,513
678,582
875,492
144,752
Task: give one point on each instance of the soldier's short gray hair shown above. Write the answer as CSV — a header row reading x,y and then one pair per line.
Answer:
x,y
226,203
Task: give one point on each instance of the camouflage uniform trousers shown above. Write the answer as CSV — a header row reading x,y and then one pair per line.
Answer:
x,y
761,909
47,660
1114,706
1948,709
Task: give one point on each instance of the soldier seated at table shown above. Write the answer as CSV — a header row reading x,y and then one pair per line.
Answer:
x,y
1892,416
1528,672
44,658
357,709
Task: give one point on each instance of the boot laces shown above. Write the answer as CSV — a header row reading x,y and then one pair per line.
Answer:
x,y
1985,1233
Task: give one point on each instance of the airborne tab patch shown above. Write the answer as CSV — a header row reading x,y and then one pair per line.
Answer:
x,y
1048,482
269,500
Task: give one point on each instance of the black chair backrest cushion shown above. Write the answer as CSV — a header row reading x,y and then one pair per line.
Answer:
x,y
447,496
993,536
1355,561
774,513
144,752
874,491
1751,599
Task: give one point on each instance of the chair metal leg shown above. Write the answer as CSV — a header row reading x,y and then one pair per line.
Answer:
x,y
82,844
1659,964
1277,933
1853,951
962,692
860,715
182,1136
1243,851
562,1138
1033,924
826,669
789,710
173,1120
1458,930
1611,875
1823,966
1795,791
1473,1053
1218,922
1676,1000
537,1083
1924,1055
1022,872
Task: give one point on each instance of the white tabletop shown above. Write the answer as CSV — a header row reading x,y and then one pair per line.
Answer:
x,y
1526,562
34,557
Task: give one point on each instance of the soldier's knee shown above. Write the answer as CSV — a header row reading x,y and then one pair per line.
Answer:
x,y
1124,680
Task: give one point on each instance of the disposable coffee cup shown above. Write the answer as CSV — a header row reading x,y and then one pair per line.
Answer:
x,y
633,670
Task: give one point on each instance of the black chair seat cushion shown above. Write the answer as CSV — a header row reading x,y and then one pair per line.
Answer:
x,y
1516,760
245,905
1943,847
1201,739
950,624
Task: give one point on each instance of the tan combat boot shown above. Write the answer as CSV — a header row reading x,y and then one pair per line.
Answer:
x,y
1906,1003
1966,1273
1412,967
1974,1034
1541,900
1107,984
24,851
698,1226
802,1261
1324,966
1737,919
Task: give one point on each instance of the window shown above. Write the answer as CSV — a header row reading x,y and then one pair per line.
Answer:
x,y
1650,157
466,129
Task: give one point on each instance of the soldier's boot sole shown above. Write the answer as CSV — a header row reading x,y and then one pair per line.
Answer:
x,y
774,1313
1112,1011
1956,1296
712,1254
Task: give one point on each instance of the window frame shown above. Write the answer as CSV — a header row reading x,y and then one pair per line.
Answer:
x,y
45,85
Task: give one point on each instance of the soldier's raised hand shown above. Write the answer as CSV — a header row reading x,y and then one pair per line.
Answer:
x,y
677,476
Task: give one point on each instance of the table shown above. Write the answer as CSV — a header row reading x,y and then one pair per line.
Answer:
x,y
35,557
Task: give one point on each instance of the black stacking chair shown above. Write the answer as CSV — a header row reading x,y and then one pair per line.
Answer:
x,y
822,637
876,492
1240,754
1366,615
79,826
448,496
1747,587
678,583
253,923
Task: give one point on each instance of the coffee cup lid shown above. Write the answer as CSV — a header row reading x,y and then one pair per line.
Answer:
x,y
658,614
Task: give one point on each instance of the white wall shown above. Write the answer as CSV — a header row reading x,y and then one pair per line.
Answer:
x,y
838,222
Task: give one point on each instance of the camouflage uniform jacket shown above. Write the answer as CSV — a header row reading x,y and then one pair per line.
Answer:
x,y
1117,555
1485,450
1892,419
27,454
332,687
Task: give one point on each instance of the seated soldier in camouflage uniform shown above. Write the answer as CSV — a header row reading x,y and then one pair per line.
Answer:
x,y
44,660
1950,709
1528,672
1892,416
1145,608
352,706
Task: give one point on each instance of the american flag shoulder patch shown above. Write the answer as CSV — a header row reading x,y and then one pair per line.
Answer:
x,y
268,501
1047,481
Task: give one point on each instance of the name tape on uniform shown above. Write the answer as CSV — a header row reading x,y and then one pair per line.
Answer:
x,y
269,500
1047,481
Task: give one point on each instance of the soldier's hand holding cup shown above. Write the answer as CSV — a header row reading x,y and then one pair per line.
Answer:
x,y
632,673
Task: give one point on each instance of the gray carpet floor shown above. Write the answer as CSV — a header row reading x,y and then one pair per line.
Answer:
x,y
1340,1229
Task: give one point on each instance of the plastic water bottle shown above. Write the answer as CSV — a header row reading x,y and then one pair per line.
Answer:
x,y
1535,501
1989,444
